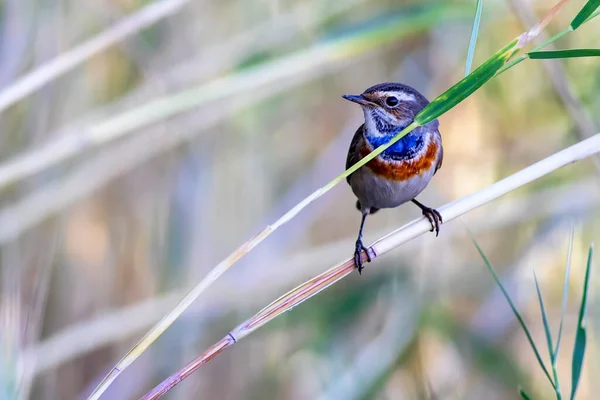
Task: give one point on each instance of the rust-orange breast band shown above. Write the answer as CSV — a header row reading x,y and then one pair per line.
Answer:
x,y
401,170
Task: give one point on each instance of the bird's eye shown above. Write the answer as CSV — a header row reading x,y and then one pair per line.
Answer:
x,y
391,101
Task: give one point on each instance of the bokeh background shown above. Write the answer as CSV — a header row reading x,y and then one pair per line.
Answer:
x,y
190,134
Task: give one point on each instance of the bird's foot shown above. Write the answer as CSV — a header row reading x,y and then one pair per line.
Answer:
x,y
434,217
358,256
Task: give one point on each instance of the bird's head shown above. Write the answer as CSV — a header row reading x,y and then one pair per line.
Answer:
x,y
388,107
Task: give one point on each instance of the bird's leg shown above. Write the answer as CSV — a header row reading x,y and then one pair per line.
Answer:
x,y
360,246
434,217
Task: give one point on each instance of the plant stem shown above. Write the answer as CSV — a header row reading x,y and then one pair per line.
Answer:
x,y
523,57
556,383
402,235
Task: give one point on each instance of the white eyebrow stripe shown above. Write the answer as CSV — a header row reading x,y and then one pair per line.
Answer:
x,y
403,96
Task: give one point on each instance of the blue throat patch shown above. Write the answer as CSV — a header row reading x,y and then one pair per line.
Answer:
x,y
404,149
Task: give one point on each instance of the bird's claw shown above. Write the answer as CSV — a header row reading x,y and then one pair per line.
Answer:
x,y
434,217
358,256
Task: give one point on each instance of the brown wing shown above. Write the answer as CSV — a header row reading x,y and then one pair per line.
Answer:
x,y
353,155
440,157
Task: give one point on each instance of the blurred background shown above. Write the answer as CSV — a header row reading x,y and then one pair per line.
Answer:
x,y
141,142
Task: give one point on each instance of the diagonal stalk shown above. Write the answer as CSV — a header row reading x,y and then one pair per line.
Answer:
x,y
385,244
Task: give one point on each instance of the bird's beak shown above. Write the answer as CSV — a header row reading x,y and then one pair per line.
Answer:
x,y
357,99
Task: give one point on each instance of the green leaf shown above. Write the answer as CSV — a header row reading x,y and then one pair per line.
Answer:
x,y
548,336
575,53
524,395
514,310
585,12
544,316
474,33
594,15
467,85
578,353
523,57
544,44
565,294
580,338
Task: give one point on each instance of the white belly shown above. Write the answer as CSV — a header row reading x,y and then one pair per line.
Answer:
x,y
374,191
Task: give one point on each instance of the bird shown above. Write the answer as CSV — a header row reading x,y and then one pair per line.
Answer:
x,y
400,173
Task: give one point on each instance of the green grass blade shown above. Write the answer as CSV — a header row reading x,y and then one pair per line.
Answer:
x,y
514,310
341,47
574,53
523,57
544,44
444,102
585,12
544,317
578,353
474,33
581,336
594,15
467,85
565,294
524,395
548,336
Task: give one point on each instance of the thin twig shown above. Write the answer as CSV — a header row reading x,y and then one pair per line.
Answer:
x,y
402,235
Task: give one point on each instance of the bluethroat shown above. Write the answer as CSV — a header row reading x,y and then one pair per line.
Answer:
x,y
404,169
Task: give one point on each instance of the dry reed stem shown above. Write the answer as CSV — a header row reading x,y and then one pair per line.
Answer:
x,y
315,60
115,326
106,166
394,239
509,51
62,64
